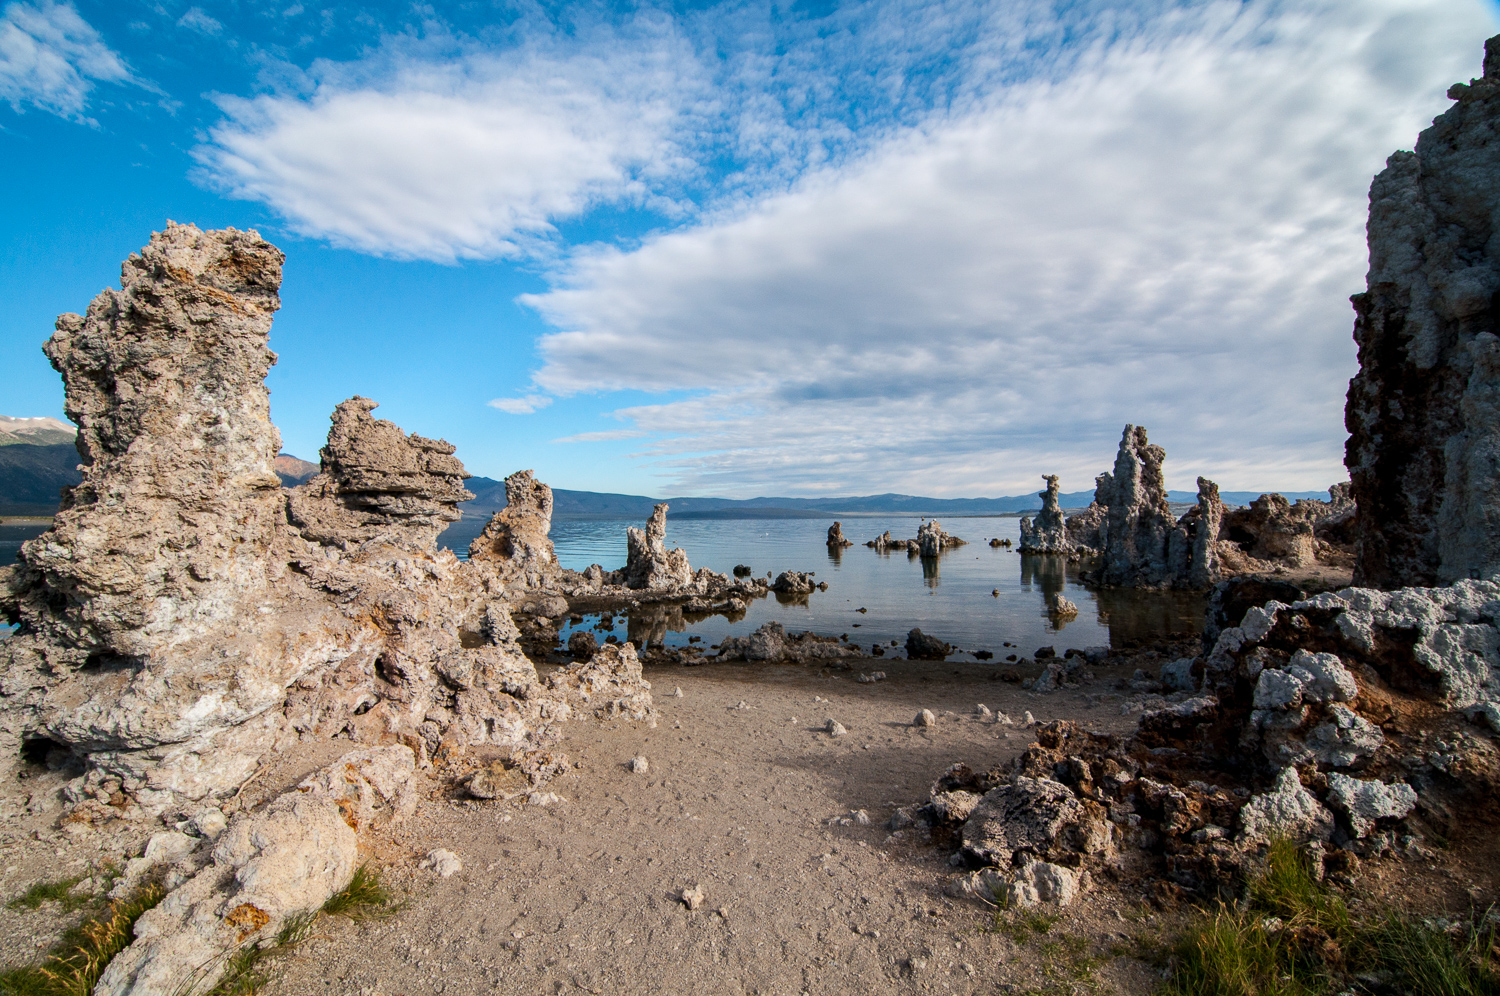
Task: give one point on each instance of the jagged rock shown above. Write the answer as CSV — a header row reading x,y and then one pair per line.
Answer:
x,y
836,538
1035,883
1049,534
932,539
1141,545
1178,675
1061,608
377,484
648,563
515,540
1289,810
186,616
582,644
1034,818
443,862
1364,801
610,684
771,643
921,647
1085,529
1423,411
794,583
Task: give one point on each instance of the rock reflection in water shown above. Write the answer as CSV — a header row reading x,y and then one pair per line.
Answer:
x,y
930,572
1049,571
1139,615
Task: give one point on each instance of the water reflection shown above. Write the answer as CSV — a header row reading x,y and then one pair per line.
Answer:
x,y
930,572
1050,572
1136,616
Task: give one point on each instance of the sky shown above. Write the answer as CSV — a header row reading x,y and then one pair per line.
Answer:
x,y
750,248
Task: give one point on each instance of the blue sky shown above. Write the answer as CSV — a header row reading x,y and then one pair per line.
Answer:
x,y
745,248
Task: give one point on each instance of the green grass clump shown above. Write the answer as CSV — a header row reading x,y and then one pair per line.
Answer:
x,y
1020,925
366,897
57,891
249,968
1293,937
77,960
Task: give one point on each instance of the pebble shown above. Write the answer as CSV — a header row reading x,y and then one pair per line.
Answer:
x,y
926,718
544,798
835,728
444,862
692,897
874,676
1028,719
639,765
742,705
983,711
677,693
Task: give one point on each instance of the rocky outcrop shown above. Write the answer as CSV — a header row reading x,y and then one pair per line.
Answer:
x,y
1086,528
1141,546
836,538
186,617
1423,411
264,869
515,542
772,644
378,484
1274,532
648,563
932,539
1049,533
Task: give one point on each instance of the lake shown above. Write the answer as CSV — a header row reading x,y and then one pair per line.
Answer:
x,y
950,598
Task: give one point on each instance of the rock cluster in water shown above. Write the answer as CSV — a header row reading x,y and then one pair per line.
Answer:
x,y
1049,533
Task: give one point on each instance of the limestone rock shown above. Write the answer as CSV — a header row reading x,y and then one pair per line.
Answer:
x,y
1035,818
377,484
582,644
794,583
932,539
648,563
1423,411
920,646
1049,534
1060,607
772,643
515,540
287,858
609,685
836,538
1364,801
1288,810
1035,883
1086,528
1141,546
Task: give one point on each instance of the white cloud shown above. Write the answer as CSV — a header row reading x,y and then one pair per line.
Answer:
x,y
436,151
48,57
608,436
521,406
199,21
1163,232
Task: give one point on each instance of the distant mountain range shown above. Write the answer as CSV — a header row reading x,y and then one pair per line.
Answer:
x,y
489,497
37,459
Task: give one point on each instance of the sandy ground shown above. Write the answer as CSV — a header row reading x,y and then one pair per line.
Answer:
x,y
583,895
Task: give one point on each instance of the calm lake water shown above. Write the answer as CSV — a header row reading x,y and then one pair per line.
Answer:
x,y
950,598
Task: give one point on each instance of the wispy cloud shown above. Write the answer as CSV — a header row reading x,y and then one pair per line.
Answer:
x,y
608,436
197,20
440,149
1166,233
521,406
50,56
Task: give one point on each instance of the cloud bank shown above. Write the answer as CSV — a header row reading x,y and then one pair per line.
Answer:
x,y
1166,234
936,247
49,58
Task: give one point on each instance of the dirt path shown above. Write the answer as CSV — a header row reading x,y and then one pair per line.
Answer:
x,y
583,895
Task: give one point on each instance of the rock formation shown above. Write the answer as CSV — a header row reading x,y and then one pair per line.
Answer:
x,y
1277,532
376,483
648,564
1423,411
932,539
1049,534
836,538
1141,545
1086,528
185,616
772,644
515,540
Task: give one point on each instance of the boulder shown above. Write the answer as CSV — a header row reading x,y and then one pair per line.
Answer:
x,y
1364,801
920,646
1289,811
